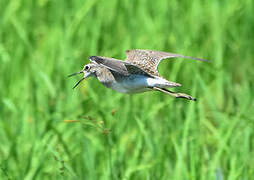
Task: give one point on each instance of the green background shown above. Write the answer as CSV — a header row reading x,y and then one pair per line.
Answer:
x,y
49,131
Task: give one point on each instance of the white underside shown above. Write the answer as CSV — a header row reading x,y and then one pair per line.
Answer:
x,y
138,83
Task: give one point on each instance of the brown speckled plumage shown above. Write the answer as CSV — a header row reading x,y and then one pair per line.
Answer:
x,y
148,60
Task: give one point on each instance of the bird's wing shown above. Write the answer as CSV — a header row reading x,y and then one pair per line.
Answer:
x,y
149,60
118,66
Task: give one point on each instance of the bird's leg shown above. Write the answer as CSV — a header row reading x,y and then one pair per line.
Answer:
x,y
174,94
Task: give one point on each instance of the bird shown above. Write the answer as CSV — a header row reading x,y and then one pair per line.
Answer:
x,y
137,73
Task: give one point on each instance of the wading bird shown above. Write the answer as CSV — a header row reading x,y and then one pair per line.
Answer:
x,y
138,73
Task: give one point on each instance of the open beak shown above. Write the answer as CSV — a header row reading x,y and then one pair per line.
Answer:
x,y
76,73
78,83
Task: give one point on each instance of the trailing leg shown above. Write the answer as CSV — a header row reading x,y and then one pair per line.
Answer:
x,y
175,94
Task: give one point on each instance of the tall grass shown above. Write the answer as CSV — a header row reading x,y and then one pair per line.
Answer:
x,y
49,131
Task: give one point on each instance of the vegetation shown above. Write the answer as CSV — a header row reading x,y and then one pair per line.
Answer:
x,y
50,131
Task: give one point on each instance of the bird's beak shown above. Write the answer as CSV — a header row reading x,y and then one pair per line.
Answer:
x,y
76,73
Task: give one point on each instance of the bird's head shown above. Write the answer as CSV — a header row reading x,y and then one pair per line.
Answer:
x,y
89,70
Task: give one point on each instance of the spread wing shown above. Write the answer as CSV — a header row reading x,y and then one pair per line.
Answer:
x,y
149,60
121,67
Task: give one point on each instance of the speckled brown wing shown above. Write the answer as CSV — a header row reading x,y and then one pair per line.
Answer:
x,y
149,60
121,67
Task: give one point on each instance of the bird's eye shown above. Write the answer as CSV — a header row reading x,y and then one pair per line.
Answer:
x,y
87,67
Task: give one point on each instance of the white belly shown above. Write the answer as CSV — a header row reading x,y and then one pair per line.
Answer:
x,y
137,84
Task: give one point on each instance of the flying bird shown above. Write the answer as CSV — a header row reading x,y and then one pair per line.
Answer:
x,y
138,73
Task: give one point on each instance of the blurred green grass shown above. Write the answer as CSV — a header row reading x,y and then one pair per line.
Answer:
x,y
142,136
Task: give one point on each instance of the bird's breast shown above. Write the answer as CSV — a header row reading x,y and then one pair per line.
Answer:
x,y
132,84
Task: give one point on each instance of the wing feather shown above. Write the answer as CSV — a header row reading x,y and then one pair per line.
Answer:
x,y
149,60
118,66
